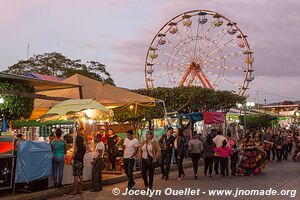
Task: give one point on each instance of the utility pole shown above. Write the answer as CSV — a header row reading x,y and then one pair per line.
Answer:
x,y
265,105
28,47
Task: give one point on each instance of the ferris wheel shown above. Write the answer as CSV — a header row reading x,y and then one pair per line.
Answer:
x,y
201,48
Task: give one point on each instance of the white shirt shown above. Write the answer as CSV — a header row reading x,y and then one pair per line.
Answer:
x,y
130,146
100,146
218,140
149,147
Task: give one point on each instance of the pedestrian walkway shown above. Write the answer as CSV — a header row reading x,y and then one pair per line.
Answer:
x,y
278,176
57,192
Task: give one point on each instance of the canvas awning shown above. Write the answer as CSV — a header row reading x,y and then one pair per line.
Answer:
x,y
107,95
38,84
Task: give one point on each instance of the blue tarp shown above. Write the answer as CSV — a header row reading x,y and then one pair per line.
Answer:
x,y
34,161
195,116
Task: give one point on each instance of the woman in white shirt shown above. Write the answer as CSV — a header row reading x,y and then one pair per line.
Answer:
x,y
150,154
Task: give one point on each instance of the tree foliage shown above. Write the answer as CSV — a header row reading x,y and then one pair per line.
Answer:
x,y
56,64
16,107
256,121
178,99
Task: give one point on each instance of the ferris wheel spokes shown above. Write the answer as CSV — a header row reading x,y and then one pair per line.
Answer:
x,y
194,49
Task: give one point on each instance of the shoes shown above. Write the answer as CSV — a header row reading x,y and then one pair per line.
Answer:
x,y
55,184
167,178
210,176
196,177
74,193
59,185
179,179
92,190
163,177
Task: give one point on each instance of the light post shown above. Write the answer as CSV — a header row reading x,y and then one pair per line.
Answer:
x,y
1,100
246,106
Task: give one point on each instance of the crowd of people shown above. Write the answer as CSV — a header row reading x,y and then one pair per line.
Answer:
x,y
225,155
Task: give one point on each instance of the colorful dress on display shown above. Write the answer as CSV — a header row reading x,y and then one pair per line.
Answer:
x,y
254,158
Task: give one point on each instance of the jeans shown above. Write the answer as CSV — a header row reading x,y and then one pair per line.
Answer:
x,y
97,174
273,153
233,168
208,165
58,168
129,165
216,166
290,146
112,159
195,159
279,153
179,162
285,152
224,166
166,157
147,173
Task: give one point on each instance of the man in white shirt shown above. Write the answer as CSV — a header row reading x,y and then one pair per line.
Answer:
x,y
131,146
218,140
98,163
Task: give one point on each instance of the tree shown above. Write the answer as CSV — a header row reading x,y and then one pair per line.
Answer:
x,y
257,121
178,99
56,64
16,107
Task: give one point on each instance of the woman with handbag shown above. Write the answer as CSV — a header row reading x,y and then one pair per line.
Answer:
x,y
150,155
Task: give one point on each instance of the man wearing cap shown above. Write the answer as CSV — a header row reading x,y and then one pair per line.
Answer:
x,y
131,146
98,163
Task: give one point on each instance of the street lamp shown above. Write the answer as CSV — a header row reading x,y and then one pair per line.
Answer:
x,y
246,106
1,100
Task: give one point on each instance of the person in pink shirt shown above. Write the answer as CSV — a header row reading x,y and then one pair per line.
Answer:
x,y
224,151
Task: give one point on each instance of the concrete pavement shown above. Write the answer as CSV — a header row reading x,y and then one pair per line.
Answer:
x,y
277,176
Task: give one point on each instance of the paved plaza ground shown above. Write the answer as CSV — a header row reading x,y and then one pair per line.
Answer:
x,y
278,176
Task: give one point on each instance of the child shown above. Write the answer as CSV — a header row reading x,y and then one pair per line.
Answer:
x,y
225,152
234,159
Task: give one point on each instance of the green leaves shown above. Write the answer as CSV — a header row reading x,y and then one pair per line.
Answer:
x,y
181,100
15,107
56,64
256,121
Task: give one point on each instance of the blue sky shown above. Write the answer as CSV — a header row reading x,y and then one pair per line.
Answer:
x,y
118,33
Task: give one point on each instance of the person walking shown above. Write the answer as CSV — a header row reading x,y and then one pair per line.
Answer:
x,y
59,149
218,140
234,159
167,143
150,155
279,147
195,149
208,147
285,147
180,150
78,165
131,146
98,163
267,138
224,152
113,142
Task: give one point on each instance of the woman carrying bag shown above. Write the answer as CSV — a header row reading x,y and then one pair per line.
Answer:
x,y
150,156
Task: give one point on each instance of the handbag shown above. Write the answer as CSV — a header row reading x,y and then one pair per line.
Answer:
x,y
149,160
